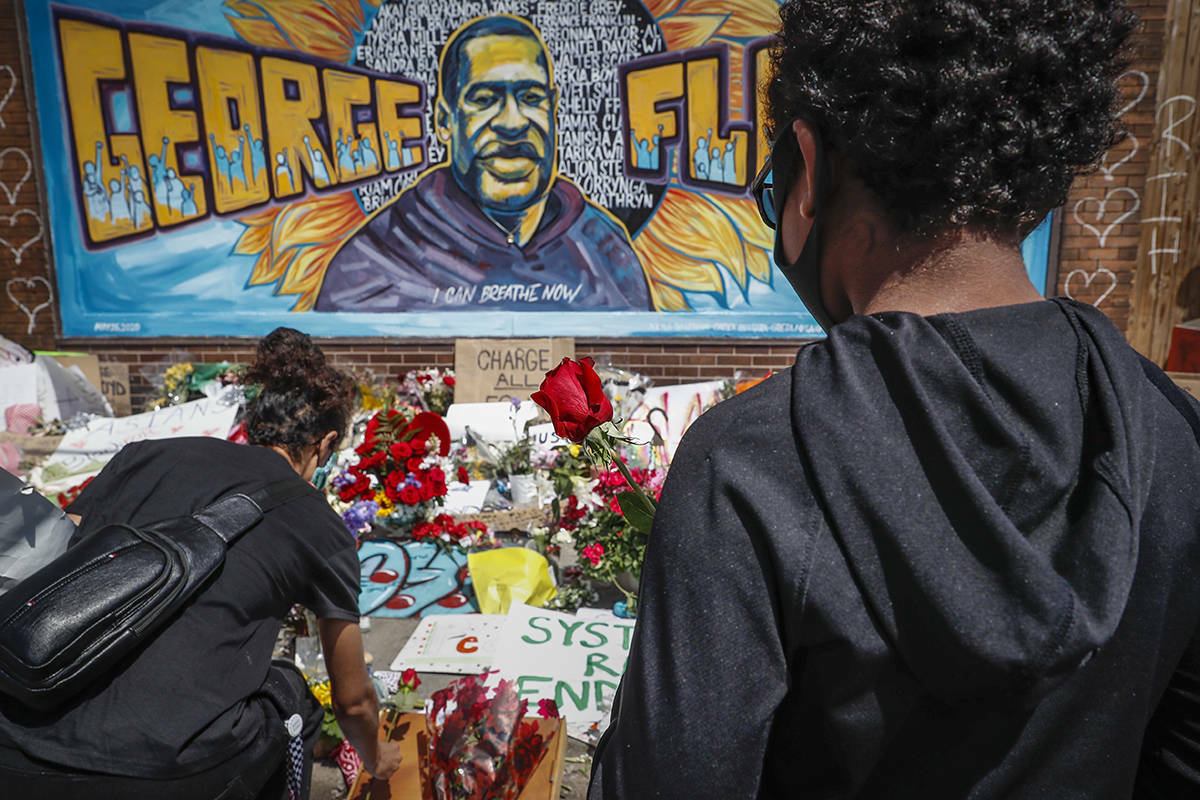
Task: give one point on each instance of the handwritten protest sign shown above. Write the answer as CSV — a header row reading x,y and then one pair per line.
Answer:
x,y
462,645
666,413
576,662
491,370
85,451
114,384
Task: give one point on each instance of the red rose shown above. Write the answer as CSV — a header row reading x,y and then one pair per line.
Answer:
x,y
409,679
414,464
448,380
410,495
436,475
401,451
573,397
419,447
463,475
444,519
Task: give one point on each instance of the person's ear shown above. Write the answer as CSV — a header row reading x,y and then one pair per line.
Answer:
x,y
804,186
327,442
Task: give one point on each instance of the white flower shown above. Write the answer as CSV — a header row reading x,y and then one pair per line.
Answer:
x,y
464,541
563,537
445,537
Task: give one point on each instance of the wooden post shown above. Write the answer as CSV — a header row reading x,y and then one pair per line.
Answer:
x,y
1166,288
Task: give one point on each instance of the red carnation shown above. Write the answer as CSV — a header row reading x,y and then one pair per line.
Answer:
x,y
410,495
573,397
401,451
548,708
448,380
414,464
463,475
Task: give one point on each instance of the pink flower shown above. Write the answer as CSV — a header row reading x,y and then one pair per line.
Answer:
x,y
548,708
593,553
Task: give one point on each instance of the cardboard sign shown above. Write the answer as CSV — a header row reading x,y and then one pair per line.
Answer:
x,y
462,645
114,384
492,370
576,662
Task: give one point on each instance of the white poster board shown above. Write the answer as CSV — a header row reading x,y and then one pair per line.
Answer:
x,y
84,452
670,411
456,644
576,662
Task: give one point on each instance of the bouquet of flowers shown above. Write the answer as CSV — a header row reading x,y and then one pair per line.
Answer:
x,y
429,389
453,535
611,536
480,747
401,468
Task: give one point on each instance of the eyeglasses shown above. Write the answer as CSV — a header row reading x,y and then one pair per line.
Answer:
x,y
763,189
771,194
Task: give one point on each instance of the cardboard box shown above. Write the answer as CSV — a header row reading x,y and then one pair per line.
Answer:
x,y
409,730
1183,354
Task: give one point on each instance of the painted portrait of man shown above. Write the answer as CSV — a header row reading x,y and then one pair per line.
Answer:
x,y
494,227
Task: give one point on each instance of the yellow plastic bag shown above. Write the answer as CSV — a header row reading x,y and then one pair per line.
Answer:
x,y
510,575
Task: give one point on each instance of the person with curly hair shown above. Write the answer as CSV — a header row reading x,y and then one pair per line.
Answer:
x,y
953,551
200,710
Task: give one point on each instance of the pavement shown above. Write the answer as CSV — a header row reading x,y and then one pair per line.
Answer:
x,y
383,639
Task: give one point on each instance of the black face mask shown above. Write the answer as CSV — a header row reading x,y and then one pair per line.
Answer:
x,y
804,274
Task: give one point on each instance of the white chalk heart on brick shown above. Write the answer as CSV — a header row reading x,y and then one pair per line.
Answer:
x,y
16,250
30,284
1088,278
12,87
1101,207
13,191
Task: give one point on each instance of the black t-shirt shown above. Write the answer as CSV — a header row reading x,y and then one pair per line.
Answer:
x,y
179,705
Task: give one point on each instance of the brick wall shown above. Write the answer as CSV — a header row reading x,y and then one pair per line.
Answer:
x,y
27,308
666,362
1099,240
1101,221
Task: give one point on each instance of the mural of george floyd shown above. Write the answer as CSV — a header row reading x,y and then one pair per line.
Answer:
x,y
397,173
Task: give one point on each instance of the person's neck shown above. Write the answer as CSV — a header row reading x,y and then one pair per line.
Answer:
x,y
299,466
519,226
962,273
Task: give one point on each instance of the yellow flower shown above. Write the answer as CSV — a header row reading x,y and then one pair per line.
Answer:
x,y
574,450
322,693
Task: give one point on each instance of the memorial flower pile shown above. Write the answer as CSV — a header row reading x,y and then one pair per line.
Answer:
x,y
400,464
480,745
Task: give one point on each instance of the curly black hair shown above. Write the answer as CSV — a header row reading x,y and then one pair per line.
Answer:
x,y
956,112
301,398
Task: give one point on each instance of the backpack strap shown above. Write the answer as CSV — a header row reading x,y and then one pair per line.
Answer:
x,y
234,514
1178,398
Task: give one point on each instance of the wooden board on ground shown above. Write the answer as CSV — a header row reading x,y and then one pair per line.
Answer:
x,y
409,730
494,370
